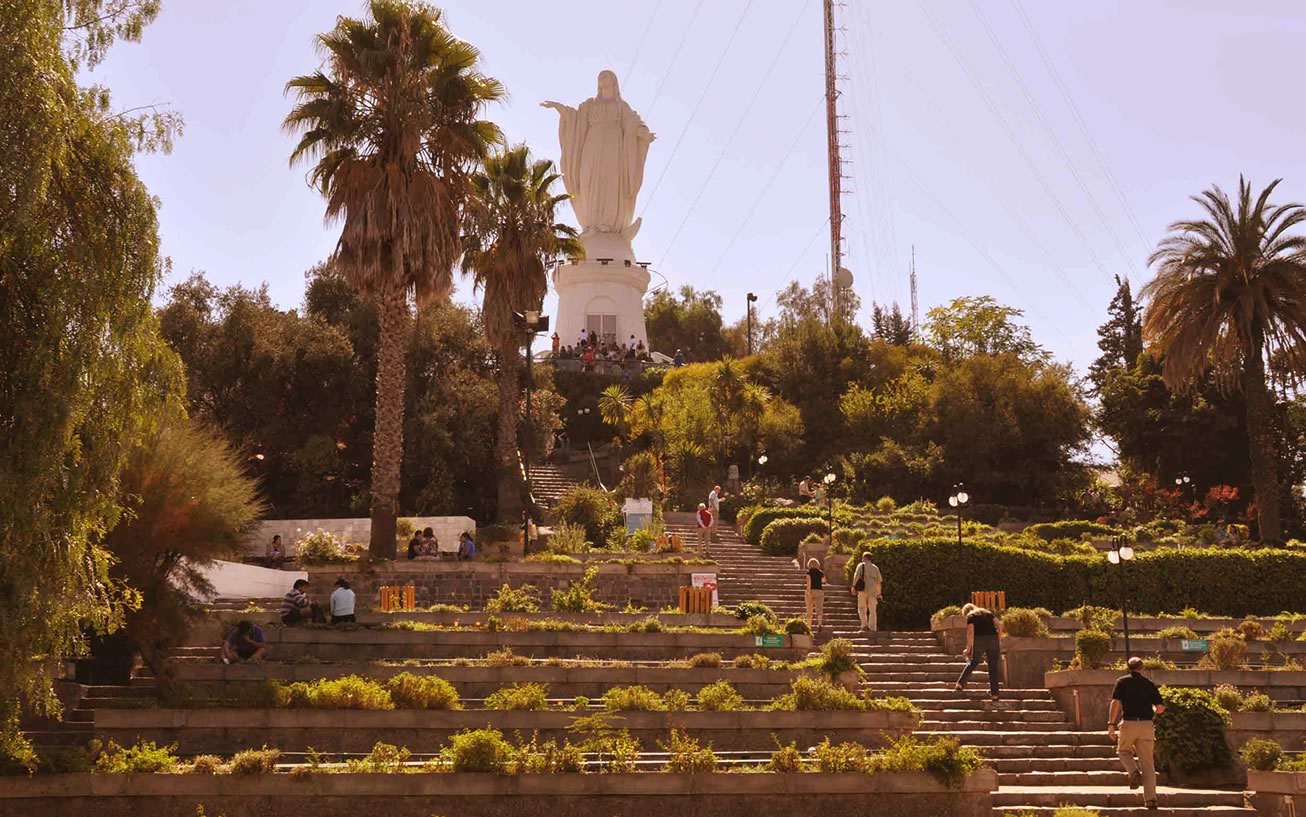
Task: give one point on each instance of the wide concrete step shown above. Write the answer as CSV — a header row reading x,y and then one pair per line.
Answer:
x,y
1025,765
1011,709
1004,716
1007,797
1052,752
968,726
995,737
1105,777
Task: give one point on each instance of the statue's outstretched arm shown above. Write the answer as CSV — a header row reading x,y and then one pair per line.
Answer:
x,y
557,106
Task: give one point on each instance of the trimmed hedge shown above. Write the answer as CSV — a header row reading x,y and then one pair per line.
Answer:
x,y
764,516
924,575
782,537
1072,529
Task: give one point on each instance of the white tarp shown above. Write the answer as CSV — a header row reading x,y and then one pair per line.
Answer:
x,y
233,580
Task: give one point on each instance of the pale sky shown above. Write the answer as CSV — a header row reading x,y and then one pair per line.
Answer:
x,y
1009,180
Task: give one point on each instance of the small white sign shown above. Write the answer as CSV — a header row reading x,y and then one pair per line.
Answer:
x,y
705,580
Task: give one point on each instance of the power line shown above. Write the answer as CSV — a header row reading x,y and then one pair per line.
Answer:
x,y
806,248
739,124
1083,126
706,87
761,196
1051,133
1011,135
640,47
675,56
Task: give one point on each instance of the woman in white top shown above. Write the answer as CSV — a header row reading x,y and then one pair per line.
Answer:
x,y
342,603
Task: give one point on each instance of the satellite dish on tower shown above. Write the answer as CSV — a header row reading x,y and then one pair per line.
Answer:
x,y
843,278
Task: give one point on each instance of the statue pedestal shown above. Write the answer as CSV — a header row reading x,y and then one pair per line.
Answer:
x,y
604,292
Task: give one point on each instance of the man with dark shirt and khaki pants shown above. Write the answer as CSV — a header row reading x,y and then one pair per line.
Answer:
x,y
1134,702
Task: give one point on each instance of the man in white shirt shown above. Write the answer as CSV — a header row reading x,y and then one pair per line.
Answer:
x,y
868,587
714,505
342,603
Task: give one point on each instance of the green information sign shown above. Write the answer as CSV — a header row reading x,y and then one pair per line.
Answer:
x,y
1194,644
769,640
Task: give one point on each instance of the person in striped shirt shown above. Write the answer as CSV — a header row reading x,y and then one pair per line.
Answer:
x,y
297,607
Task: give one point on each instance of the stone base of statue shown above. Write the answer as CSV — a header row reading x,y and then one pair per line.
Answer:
x,y
604,292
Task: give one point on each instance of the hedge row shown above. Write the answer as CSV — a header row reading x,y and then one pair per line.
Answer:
x,y
764,516
922,576
783,536
1072,529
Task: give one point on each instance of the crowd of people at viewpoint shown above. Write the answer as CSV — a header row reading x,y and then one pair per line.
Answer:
x,y
1135,699
590,348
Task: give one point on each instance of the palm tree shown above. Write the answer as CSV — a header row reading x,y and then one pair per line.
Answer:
x,y
391,126
511,237
1229,291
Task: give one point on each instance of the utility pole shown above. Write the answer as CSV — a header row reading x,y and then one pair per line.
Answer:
x,y
834,162
749,302
915,315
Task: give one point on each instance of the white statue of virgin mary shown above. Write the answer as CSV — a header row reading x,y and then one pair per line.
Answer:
x,y
604,144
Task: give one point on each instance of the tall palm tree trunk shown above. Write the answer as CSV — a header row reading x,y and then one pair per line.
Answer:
x,y
388,440
506,454
1260,436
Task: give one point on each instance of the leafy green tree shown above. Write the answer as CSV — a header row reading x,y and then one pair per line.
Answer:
x,y
85,374
891,326
512,237
1230,289
980,326
691,323
1120,339
393,129
797,303
188,501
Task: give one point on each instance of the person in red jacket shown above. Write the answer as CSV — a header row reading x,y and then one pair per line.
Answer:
x,y
704,528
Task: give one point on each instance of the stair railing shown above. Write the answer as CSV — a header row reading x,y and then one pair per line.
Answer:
x,y
594,464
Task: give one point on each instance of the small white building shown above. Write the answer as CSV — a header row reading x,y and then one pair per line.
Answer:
x,y
603,293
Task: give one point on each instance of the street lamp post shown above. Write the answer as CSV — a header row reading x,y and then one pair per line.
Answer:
x,y
828,479
1120,553
532,322
958,500
749,301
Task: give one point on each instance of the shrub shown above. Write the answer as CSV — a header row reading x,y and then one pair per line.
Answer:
x,y
1261,754
521,697
837,657
633,699
676,700
759,521
478,750
524,599
205,764
547,758
720,697
1251,629
553,558
845,757
885,505
1072,529
410,691
1190,734
1095,618
945,612
385,758
1258,702
650,624
704,660
1023,623
745,610
810,694
845,539
506,658
787,759
1228,697
927,572
592,509
797,626
349,692
943,758
761,625
319,548
145,757
1227,651
255,761
1279,632
1178,631
579,597
1091,648
686,756
782,537
568,539
754,661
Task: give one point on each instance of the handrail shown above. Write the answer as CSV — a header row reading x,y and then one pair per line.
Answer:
x,y
595,465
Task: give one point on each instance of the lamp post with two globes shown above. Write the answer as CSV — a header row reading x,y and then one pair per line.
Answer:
x,y
1120,553
958,500
828,481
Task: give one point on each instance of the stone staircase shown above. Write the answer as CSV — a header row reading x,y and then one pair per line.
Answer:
x,y
548,484
1041,760
746,573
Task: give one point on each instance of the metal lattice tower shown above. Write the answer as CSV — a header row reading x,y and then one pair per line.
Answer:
x,y
915,314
